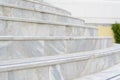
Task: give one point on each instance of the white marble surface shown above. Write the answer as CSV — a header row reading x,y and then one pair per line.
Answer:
x,y
55,73
13,49
20,27
29,11
28,74
10,28
63,67
26,55
112,73
35,6
81,31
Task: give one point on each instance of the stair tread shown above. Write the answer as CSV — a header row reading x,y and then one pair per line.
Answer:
x,y
16,64
49,38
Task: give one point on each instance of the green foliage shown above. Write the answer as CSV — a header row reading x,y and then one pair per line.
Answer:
x,y
116,31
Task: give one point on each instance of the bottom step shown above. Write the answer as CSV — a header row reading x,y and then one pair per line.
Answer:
x,y
61,67
112,73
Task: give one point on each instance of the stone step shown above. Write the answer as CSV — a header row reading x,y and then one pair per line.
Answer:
x,y
23,47
35,5
47,4
29,27
28,13
62,67
112,73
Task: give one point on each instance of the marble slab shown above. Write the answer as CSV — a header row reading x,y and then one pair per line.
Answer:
x,y
25,47
81,31
27,74
10,28
23,27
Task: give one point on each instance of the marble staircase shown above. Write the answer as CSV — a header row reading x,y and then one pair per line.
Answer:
x,y
41,42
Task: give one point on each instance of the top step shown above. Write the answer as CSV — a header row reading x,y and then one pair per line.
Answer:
x,y
36,5
38,11
46,3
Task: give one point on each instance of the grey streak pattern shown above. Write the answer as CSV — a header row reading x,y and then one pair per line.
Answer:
x,y
41,42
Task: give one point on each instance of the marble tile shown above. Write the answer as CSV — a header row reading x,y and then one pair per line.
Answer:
x,y
10,28
19,28
4,76
80,31
26,49
55,47
55,73
18,50
1,10
92,44
57,31
29,74
24,29
69,70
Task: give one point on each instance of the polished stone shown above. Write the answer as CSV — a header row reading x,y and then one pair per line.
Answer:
x,y
20,27
41,42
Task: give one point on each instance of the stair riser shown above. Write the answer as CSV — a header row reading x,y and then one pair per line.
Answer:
x,y
73,46
22,13
65,71
81,31
34,6
16,28
26,49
